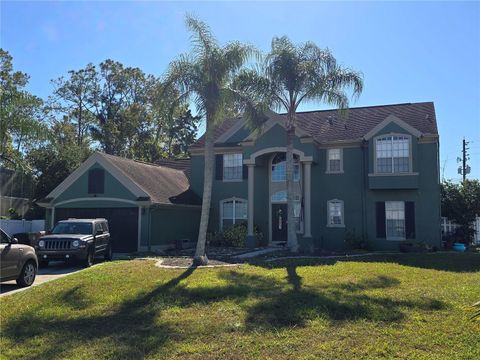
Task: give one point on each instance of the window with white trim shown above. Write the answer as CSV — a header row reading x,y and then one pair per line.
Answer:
x,y
395,220
279,168
392,154
334,161
233,211
335,213
232,166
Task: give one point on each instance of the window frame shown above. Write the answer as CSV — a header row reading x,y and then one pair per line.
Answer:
x,y
297,169
234,200
410,157
342,210
328,169
396,238
224,179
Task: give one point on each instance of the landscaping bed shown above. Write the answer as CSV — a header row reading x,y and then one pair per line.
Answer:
x,y
395,306
187,261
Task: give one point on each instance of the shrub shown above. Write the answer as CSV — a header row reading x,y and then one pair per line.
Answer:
x,y
215,239
234,236
356,242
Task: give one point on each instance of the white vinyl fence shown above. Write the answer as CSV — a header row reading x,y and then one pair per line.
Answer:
x,y
20,226
449,227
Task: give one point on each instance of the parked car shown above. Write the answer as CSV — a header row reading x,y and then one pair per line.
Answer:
x,y
76,239
18,262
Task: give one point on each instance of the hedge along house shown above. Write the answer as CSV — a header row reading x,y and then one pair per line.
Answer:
x,y
146,205
374,173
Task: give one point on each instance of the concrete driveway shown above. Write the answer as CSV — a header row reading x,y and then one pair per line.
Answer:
x,y
55,270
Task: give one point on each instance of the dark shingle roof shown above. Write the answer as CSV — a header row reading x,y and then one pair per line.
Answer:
x,y
178,164
222,128
163,184
329,125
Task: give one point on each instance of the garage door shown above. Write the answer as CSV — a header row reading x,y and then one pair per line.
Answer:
x,y
123,224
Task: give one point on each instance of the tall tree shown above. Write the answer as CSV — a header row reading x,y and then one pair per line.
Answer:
x,y
121,107
54,160
175,126
21,115
74,95
205,76
289,76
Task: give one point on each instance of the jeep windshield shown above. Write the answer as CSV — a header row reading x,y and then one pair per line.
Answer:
x,y
73,228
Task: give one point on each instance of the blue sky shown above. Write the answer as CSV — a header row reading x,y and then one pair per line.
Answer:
x,y
408,52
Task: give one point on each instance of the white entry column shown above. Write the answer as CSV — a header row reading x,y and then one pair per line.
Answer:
x,y
307,165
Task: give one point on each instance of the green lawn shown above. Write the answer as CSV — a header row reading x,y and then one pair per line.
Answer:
x,y
405,306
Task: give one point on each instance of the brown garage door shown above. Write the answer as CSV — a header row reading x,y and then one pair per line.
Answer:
x,y
123,224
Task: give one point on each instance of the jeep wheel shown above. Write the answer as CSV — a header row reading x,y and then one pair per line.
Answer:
x,y
108,253
90,258
27,275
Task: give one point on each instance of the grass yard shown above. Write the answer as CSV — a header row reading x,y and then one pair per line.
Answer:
x,y
403,306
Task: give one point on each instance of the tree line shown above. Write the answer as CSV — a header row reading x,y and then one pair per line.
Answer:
x,y
110,107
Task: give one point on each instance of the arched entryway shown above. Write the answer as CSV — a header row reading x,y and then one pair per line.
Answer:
x,y
278,216
277,192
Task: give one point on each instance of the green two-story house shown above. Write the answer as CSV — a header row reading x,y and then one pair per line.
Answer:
x,y
373,171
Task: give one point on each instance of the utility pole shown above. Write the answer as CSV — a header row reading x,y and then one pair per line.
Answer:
x,y
464,169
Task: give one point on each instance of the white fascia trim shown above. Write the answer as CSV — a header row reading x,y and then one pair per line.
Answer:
x,y
218,150
251,159
233,129
107,165
136,203
392,119
271,123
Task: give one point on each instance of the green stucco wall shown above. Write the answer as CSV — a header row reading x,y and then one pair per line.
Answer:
x,y
163,225
168,224
353,187
113,189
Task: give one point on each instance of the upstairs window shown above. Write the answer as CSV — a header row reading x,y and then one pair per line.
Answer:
x,y
96,181
279,168
335,213
392,154
233,211
334,161
232,167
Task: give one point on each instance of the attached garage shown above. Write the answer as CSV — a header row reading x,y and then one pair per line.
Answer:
x,y
145,204
123,223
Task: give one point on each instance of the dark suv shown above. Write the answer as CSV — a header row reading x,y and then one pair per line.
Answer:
x,y
75,239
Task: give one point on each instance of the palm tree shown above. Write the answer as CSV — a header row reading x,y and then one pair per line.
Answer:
x,y
204,76
289,76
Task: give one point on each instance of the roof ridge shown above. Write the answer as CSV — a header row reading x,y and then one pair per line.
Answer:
x,y
361,107
139,161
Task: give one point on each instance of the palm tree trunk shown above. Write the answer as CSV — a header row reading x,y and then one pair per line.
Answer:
x,y
200,255
292,233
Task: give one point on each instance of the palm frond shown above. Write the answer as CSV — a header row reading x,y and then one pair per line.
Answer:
x,y
201,36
